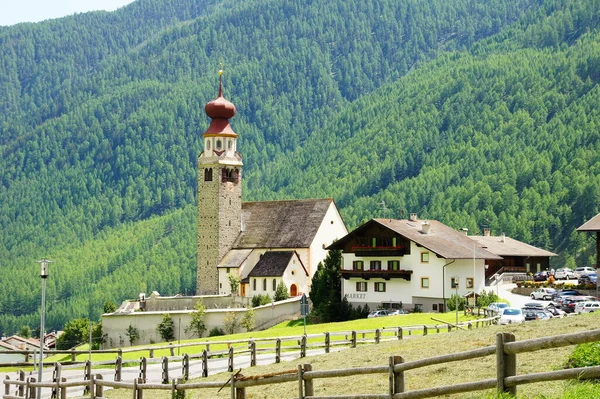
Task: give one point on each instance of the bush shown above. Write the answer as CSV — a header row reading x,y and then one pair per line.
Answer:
x,y
166,328
584,355
260,299
216,332
231,322
451,303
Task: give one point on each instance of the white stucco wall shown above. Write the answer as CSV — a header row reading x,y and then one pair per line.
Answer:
x,y
115,325
332,228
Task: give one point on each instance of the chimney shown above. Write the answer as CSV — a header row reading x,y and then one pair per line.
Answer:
x,y
425,227
486,232
503,238
413,217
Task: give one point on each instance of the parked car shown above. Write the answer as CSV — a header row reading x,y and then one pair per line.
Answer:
x,y
569,302
377,313
398,312
535,313
511,316
591,278
543,293
541,276
581,271
564,273
562,293
498,306
587,307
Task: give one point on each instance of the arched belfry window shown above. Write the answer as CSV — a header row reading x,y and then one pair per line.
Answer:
x,y
208,144
219,144
236,176
230,144
208,174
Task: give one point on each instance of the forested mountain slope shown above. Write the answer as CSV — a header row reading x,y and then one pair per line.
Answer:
x,y
335,98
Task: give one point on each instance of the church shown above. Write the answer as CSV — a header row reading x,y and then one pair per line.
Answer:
x,y
261,243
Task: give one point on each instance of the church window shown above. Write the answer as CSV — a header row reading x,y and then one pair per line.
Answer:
x,y
264,284
219,144
208,173
230,144
274,285
254,284
208,144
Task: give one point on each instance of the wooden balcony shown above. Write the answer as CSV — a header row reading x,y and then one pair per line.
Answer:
x,y
383,274
379,251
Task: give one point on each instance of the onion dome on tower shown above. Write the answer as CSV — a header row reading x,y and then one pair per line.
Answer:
x,y
220,111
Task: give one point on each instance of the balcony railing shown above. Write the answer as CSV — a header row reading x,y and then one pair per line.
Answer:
x,y
384,274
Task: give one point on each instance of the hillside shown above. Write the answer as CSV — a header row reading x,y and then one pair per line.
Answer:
x,y
490,109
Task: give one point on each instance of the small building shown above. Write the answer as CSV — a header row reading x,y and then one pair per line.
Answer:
x,y
517,256
275,267
593,225
419,263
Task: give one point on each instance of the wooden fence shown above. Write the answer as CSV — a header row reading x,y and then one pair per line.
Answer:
x,y
505,350
325,342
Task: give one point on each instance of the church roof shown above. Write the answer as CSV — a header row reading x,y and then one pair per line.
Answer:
x,y
506,246
281,224
591,225
272,264
234,258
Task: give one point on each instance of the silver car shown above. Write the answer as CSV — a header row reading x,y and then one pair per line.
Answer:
x,y
543,293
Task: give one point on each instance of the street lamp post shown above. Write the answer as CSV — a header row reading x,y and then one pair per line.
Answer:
x,y
44,268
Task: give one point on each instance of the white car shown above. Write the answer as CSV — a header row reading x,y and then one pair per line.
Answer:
x,y
543,293
580,271
587,307
511,316
564,273
498,306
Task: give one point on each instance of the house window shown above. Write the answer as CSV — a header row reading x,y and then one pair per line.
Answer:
x,y
357,265
208,174
254,284
264,284
393,265
454,282
274,285
375,265
434,307
470,282
424,282
394,241
361,286
424,257
373,242
379,287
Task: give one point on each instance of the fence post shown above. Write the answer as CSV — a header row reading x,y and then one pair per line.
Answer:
x,y
204,363
396,379
165,370
172,349
309,389
143,368
278,351
151,353
424,330
399,333
230,361
252,345
377,335
300,382
20,388
73,355
303,346
470,325
353,344
506,365
7,386
87,376
185,367
61,389
56,374
99,389
327,342
449,328
118,368
32,391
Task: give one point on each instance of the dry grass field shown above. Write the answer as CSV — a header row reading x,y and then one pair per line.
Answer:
x,y
413,348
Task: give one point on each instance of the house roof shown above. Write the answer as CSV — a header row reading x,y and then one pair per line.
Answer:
x,y
273,264
30,341
8,346
440,239
506,246
591,225
281,224
234,258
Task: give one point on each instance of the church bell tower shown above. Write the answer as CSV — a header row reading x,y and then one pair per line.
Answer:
x,y
219,193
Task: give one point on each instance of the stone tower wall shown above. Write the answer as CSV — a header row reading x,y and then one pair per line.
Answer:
x,y
219,223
